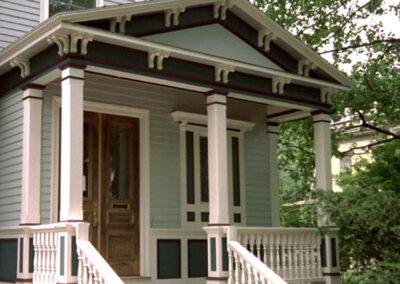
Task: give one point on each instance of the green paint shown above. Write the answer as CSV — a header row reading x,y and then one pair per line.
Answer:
x,y
333,252
235,171
197,253
8,259
169,259
62,253
21,255
74,257
224,254
31,255
213,256
189,168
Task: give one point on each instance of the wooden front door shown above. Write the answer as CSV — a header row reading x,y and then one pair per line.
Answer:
x,y
111,188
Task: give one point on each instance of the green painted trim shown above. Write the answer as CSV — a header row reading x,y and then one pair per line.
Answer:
x,y
168,259
62,255
224,246
235,171
189,168
197,258
213,256
8,259
333,252
74,257
21,255
31,255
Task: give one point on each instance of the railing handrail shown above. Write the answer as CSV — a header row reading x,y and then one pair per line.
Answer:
x,y
277,230
107,273
256,263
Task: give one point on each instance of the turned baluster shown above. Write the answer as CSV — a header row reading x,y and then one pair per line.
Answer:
x,y
296,256
237,268
40,258
271,252
243,265
284,255
249,273
252,241
259,244
230,273
278,253
35,258
46,255
290,256
264,243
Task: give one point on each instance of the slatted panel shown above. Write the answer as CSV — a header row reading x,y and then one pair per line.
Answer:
x,y
10,159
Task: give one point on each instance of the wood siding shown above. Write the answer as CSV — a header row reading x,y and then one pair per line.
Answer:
x,y
17,17
11,120
165,191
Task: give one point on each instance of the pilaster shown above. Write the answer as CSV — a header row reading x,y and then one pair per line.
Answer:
x,y
272,128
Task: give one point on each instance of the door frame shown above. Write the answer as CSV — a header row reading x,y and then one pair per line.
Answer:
x,y
144,167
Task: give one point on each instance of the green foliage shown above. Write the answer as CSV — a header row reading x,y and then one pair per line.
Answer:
x,y
370,224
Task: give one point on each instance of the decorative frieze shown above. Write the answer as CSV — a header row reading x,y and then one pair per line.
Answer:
x,y
172,16
156,58
220,9
326,95
264,39
305,66
23,65
121,22
278,84
68,44
222,73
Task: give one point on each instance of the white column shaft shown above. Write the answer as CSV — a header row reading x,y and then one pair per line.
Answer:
x,y
71,144
217,159
273,173
31,157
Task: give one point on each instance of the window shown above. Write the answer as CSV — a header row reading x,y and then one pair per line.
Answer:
x,y
51,7
345,164
194,170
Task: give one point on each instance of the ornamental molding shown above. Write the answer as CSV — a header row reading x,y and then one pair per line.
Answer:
x,y
156,58
172,16
70,43
22,64
84,40
220,9
327,94
278,84
264,39
62,42
305,66
222,73
119,22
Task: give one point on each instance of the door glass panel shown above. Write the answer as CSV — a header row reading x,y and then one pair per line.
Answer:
x,y
119,162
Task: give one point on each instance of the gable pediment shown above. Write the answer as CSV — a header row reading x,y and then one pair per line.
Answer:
x,y
215,40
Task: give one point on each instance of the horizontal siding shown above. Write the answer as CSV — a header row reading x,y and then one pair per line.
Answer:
x,y
10,159
17,17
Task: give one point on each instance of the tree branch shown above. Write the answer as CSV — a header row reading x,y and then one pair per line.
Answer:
x,y
296,147
369,146
377,129
391,40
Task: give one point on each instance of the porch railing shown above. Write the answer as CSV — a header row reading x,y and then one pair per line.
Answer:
x,y
293,253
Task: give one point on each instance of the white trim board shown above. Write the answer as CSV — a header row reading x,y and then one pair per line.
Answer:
x,y
144,146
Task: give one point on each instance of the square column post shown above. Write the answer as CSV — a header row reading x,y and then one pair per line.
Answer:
x,y
218,188
322,142
273,172
31,157
72,80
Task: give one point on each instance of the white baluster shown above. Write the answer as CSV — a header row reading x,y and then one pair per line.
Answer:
x,y
237,268
249,273
243,265
290,256
265,248
271,252
258,244
296,256
278,251
284,255
230,273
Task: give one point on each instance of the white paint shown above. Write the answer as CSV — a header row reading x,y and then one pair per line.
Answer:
x,y
72,145
31,157
273,174
217,159
144,172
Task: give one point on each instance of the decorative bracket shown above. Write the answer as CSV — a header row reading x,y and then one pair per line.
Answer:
x,y
326,95
22,64
222,72
121,21
221,8
305,66
84,38
264,39
174,13
278,84
62,42
156,58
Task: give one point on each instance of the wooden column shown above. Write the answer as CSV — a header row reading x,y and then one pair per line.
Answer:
x,y
273,173
72,80
218,188
31,157
323,174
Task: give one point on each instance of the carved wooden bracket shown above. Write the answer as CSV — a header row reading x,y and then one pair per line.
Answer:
x,y
22,64
305,66
222,72
121,22
326,94
156,58
221,8
62,42
264,39
84,38
278,84
174,14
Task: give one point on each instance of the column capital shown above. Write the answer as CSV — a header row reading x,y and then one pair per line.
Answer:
x,y
32,86
72,72
321,117
216,92
72,65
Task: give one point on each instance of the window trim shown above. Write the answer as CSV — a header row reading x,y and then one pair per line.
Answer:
x,y
197,123
44,8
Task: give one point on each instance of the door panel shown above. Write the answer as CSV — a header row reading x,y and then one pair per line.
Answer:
x,y
111,188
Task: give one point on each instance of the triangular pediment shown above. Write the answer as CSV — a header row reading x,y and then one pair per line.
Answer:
x,y
214,40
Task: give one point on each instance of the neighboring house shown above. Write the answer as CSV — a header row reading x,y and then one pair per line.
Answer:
x,y
142,139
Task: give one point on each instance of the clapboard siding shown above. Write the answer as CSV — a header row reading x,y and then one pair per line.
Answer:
x,y
10,158
165,192
17,17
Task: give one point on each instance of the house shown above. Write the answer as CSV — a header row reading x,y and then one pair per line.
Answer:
x,y
138,143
